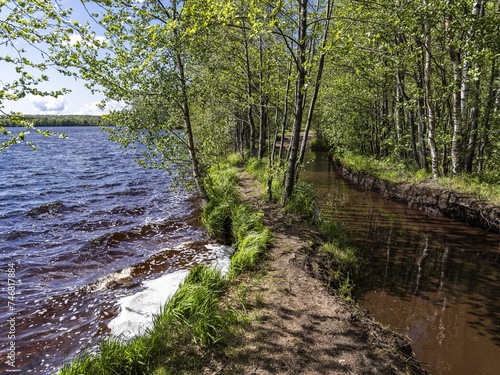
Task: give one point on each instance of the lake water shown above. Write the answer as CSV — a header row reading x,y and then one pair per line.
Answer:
x,y
434,280
83,226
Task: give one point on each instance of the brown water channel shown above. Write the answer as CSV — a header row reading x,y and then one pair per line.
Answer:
x,y
433,279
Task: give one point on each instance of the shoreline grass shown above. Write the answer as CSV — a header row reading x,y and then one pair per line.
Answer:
x,y
194,324
341,267
484,186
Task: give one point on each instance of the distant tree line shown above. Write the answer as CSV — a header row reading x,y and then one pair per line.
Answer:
x,y
43,121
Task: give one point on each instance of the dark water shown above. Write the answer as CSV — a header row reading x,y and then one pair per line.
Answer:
x,y
435,280
72,216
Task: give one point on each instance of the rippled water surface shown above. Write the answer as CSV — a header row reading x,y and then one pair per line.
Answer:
x,y
84,225
433,279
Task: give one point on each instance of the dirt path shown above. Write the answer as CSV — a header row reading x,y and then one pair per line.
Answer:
x,y
300,328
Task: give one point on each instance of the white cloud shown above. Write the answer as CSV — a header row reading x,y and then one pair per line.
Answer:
x,y
94,109
48,103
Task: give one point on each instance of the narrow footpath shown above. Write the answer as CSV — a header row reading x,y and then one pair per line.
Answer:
x,y
298,327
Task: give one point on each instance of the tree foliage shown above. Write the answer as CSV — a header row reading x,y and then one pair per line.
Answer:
x,y
24,25
415,82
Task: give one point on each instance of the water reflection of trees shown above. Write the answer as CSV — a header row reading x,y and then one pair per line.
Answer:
x,y
406,261
414,257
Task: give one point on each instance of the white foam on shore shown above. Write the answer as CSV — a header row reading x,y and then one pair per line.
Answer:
x,y
137,311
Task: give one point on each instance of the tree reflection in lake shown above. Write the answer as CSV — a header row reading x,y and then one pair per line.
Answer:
x,y
433,279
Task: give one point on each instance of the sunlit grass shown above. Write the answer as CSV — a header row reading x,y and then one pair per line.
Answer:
x,y
194,321
485,186
250,249
191,319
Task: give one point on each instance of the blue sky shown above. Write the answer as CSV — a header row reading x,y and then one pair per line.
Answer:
x,y
79,101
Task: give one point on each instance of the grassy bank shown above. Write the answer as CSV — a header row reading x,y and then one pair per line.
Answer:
x,y
195,323
341,267
484,186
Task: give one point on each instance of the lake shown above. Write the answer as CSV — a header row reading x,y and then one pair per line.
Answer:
x,y
83,227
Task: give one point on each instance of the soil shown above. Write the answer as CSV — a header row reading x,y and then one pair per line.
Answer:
x,y
299,325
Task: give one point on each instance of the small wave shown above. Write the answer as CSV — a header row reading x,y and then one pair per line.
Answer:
x,y
16,234
120,278
101,247
47,209
134,192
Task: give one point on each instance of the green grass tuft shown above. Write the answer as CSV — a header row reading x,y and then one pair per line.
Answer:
x,y
216,218
193,316
244,220
235,160
333,231
303,201
249,250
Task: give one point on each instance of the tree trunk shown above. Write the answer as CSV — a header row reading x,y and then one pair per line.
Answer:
x,y
317,84
251,121
477,11
285,111
263,106
456,139
198,179
299,101
421,111
429,99
491,107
